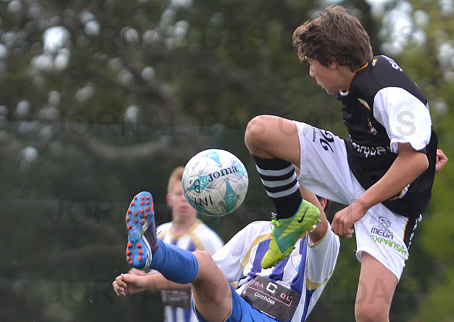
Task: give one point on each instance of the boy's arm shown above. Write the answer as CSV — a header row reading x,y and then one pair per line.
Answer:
x,y
320,231
408,165
126,284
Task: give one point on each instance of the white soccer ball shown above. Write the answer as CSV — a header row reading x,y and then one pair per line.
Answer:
x,y
215,182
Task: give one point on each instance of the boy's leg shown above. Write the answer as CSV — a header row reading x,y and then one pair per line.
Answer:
x,y
211,289
375,291
274,144
383,239
270,137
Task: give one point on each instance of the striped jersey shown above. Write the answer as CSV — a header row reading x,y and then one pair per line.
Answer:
x,y
306,270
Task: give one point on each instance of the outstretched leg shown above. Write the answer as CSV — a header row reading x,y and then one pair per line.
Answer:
x,y
211,290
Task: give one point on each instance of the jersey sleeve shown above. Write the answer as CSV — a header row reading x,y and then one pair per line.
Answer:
x,y
405,118
322,258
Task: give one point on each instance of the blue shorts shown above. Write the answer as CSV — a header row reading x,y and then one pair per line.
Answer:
x,y
241,311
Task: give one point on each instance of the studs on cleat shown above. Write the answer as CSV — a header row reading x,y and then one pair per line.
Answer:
x,y
139,219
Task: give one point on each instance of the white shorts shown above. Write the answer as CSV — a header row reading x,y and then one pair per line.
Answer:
x,y
325,171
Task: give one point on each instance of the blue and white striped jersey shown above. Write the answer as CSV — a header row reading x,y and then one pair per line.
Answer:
x,y
306,270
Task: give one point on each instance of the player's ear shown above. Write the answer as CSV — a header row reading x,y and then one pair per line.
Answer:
x,y
333,65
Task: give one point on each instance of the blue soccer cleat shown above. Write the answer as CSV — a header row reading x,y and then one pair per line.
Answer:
x,y
142,240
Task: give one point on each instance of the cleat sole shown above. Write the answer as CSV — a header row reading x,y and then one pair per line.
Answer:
x,y
139,217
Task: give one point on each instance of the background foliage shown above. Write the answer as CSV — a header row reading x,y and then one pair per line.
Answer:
x,y
101,99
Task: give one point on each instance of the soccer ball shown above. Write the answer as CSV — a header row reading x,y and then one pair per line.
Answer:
x,y
215,182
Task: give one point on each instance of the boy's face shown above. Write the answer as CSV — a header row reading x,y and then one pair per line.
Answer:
x,y
179,204
328,77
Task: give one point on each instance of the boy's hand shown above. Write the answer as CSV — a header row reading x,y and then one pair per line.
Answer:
x,y
442,159
344,219
126,284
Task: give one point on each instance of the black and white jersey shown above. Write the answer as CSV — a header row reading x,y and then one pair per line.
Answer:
x,y
382,108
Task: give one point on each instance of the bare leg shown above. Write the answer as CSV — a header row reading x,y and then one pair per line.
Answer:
x,y
375,291
211,290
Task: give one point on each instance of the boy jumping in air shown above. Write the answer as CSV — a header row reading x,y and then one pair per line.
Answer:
x,y
383,171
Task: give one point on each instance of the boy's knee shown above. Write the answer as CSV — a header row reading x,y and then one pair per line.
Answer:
x,y
370,313
255,131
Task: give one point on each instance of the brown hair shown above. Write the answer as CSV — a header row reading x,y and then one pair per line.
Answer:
x,y
334,35
175,176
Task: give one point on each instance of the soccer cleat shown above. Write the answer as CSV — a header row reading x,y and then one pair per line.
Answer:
x,y
142,240
287,231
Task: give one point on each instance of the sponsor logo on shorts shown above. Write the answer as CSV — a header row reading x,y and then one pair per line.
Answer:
x,y
382,235
382,229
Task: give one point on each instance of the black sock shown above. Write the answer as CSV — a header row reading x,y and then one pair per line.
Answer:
x,y
281,185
